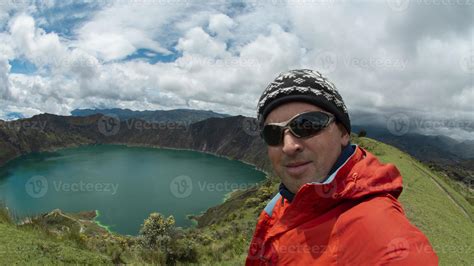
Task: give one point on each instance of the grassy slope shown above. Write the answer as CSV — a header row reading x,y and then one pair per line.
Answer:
x,y
439,211
34,247
434,207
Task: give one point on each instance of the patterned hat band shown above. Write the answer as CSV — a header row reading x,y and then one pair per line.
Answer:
x,y
303,85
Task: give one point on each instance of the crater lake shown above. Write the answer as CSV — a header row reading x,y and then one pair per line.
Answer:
x,y
124,184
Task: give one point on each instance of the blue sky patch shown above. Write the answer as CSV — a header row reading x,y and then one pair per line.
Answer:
x,y
14,116
64,18
22,66
151,56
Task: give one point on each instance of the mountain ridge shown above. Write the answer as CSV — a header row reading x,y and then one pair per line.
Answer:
x,y
183,115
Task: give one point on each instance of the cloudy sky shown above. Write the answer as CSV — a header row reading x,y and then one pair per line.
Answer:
x,y
413,57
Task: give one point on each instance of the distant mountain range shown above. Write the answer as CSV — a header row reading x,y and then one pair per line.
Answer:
x,y
185,116
453,157
423,147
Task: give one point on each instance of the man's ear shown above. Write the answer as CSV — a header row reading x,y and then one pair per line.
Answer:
x,y
345,136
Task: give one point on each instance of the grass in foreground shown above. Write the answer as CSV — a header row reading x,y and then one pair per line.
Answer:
x,y
23,246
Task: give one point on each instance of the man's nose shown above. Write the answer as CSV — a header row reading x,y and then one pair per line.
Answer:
x,y
291,144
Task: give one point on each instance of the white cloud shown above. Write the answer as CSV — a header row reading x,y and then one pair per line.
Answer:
x,y
108,46
197,41
4,82
221,25
123,28
465,99
33,43
228,54
278,51
6,53
24,110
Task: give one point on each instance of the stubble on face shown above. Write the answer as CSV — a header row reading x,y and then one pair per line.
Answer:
x,y
305,160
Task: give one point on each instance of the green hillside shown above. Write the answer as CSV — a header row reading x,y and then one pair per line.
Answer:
x,y
224,232
30,246
442,213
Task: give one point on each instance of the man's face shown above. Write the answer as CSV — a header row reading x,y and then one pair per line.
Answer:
x,y
300,161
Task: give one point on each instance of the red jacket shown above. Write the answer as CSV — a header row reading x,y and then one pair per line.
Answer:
x,y
355,219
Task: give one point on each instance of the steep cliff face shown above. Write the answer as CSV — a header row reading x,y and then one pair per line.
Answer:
x,y
45,132
231,137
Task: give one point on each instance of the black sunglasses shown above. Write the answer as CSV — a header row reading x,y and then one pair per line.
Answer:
x,y
301,126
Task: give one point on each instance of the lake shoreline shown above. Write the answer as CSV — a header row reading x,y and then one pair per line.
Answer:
x,y
192,217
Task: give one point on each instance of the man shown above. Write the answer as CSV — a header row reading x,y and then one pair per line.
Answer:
x,y
337,203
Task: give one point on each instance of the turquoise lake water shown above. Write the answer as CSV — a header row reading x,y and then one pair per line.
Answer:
x,y
125,184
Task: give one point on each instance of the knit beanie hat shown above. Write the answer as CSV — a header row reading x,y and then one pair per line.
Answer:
x,y
303,85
